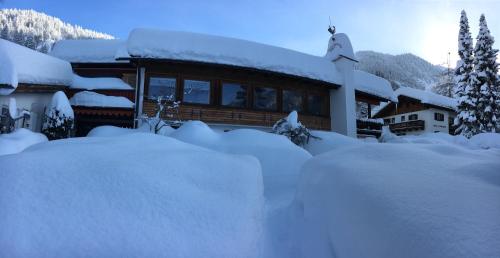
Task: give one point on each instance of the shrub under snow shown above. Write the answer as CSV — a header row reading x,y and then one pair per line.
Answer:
x,y
293,129
59,118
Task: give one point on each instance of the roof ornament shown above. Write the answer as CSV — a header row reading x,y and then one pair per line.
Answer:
x,y
331,28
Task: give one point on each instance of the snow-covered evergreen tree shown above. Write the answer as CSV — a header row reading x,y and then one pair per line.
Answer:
x,y
466,121
446,84
484,78
39,31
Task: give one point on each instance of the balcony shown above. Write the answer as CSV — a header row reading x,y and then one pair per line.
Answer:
x,y
414,125
369,127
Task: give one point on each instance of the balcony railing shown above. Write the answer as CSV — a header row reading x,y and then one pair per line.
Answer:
x,y
369,127
408,126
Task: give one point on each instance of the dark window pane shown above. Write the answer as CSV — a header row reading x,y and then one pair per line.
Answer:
x,y
292,100
316,104
264,98
161,87
234,95
413,117
196,92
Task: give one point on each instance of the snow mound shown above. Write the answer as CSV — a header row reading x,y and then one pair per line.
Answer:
x,y
427,97
92,99
279,157
427,200
102,83
176,45
113,131
87,50
339,45
137,195
23,65
486,140
328,141
19,140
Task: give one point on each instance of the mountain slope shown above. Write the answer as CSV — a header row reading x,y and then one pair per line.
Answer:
x,y
401,70
39,31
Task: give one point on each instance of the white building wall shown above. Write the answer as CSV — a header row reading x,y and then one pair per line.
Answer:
x,y
33,102
431,125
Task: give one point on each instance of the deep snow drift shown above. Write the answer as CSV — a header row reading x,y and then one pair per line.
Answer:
x,y
394,200
138,195
19,140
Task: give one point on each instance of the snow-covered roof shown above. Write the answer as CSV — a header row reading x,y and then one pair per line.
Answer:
x,y
89,50
374,85
149,43
99,83
23,65
427,97
92,99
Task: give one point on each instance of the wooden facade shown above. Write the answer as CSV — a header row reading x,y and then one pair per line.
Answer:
x,y
217,75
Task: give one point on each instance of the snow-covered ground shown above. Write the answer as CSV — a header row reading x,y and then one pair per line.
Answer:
x,y
17,141
199,192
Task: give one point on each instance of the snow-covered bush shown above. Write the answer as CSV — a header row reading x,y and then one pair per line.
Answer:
x,y
293,129
166,116
59,118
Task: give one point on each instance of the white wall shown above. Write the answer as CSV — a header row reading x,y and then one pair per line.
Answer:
x,y
427,115
33,102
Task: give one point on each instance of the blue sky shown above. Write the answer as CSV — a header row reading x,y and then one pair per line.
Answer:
x,y
427,28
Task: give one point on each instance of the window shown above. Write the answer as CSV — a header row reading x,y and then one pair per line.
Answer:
x,y
265,98
316,104
161,87
387,121
403,118
196,92
292,100
413,117
234,95
393,120
438,116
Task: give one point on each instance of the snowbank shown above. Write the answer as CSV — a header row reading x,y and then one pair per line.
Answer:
x,y
113,131
328,141
87,50
136,195
411,200
427,97
279,157
102,83
19,140
176,45
486,140
23,65
92,99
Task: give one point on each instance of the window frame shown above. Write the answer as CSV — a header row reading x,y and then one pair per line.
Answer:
x,y
302,94
276,89
247,96
147,81
411,116
438,117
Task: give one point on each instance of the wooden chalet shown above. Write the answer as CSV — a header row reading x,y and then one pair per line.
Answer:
x,y
418,112
227,83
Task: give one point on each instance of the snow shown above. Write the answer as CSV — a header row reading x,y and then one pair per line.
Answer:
x,y
92,99
23,65
176,45
374,85
13,108
100,83
427,97
486,140
339,45
61,103
17,141
385,200
87,50
138,195
328,141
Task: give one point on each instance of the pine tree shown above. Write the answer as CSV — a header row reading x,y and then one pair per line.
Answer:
x,y
466,121
484,79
